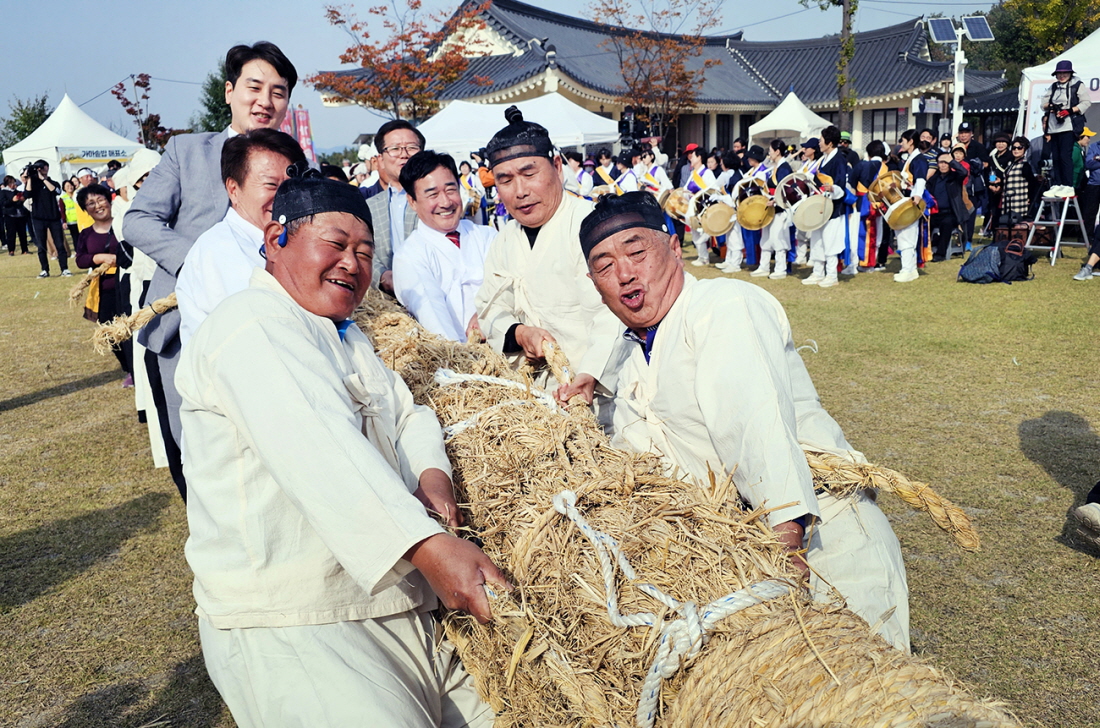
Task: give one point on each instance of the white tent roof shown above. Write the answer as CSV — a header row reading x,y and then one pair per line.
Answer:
x,y
1085,57
463,127
70,136
791,121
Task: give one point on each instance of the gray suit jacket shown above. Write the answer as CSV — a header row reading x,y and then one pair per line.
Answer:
x,y
383,247
182,198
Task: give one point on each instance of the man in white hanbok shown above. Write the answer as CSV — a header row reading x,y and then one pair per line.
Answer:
x,y
674,398
313,479
535,288
221,261
439,268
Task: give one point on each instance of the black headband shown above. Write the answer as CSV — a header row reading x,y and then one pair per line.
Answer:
x,y
307,193
519,139
615,213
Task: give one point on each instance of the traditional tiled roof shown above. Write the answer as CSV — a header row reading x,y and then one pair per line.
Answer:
x,y
889,62
1007,101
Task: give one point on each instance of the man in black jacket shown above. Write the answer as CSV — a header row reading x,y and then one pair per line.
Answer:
x,y
45,215
945,185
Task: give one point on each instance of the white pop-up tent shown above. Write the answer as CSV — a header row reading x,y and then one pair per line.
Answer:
x,y
68,140
1034,82
792,121
463,127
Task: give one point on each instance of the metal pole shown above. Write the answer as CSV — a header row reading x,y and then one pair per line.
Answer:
x,y
960,82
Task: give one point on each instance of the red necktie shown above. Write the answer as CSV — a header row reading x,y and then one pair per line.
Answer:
x,y
454,238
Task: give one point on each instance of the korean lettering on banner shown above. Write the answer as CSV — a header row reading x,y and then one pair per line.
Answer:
x,y
305,133
93,154
287,127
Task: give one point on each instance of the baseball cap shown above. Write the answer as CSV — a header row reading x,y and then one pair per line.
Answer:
x,y
965,126
691,147
846,136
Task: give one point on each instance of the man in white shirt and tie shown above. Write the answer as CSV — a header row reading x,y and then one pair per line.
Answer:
x,y
438,269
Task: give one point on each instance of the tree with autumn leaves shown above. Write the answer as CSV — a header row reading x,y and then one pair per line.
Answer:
x,y
402,73
657,44
151,132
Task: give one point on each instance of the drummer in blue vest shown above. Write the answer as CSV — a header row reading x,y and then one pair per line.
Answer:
x,y
701,178
827,243
914,172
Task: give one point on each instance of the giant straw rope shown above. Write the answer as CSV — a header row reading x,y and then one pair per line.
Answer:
x,y
121,328
643,600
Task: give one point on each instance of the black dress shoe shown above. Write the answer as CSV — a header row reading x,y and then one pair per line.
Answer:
x,y
938,258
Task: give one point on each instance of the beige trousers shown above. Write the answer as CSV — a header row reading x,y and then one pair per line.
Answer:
x,y
394,671
854,549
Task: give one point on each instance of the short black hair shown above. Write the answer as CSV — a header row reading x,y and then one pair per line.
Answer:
x,y
831,135
573,157
778,145
333,172
466,163
730,161
420,165
239,55
380,137
876,149
114,164
237,150
740,140
605,152
93,189
1022,141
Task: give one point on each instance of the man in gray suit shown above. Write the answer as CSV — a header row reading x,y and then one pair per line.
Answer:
x,y
183,198
393,217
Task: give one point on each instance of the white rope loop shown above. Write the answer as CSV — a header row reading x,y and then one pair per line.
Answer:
x,y
448,377
681,639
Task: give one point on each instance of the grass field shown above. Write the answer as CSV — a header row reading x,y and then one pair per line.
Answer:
x,y
987,392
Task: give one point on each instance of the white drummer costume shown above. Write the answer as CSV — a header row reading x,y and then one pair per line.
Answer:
x,y
776,235
701,179
470,185
827,243
915,173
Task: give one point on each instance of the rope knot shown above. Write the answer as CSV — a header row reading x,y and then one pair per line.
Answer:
x,y
565,500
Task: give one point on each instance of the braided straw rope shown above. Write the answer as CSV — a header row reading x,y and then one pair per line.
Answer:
x,y
121,328
82,285
552,656
843,477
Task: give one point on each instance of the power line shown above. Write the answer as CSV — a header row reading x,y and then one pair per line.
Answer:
x,y
121,80
761,22
169,80
906,2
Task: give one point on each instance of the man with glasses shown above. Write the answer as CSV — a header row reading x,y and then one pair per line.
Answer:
x,y
394,219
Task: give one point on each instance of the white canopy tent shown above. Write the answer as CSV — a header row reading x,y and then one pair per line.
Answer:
x,y
463,127
792,121
1085,57
68,140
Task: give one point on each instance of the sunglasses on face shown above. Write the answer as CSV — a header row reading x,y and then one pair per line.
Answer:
x,y
1017,147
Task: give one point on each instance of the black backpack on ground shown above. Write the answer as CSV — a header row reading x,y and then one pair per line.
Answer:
x,y
1016,262
983,266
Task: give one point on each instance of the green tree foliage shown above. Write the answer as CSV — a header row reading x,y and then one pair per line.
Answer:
x,y
337,158
213,113
26,116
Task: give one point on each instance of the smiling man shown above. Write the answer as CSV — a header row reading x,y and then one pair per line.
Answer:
x,y
221,261
438,269
534,289
313,480
183,198
397,141
676,399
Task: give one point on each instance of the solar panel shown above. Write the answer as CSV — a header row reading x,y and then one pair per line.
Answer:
x,y
977,28
942,30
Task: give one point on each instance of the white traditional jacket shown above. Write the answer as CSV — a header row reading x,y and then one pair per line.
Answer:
x,y
548,286
303,452
684,405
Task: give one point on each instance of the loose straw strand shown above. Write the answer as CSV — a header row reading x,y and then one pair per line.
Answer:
x,y
121,328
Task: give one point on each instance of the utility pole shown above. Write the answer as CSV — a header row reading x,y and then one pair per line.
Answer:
x,y
844,78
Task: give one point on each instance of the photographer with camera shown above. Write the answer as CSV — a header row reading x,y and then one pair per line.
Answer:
x,y
45,215
1065,106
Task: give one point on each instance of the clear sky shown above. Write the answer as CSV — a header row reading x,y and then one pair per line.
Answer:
x,y
84,48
